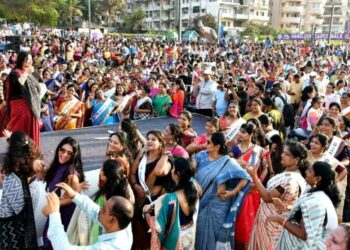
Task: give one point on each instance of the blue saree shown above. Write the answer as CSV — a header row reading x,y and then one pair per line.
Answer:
x,y
216,218
101,112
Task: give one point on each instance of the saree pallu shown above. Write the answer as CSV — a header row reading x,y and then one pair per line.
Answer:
x,y
101,112
264,236
216,218
70,123
23,119
167,232
316,209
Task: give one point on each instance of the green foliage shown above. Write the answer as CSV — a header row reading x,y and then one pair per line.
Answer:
x,y
70,9
134,22
207,20
259,31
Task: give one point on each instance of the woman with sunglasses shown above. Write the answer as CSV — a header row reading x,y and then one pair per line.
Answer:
x,y
66,167
23,98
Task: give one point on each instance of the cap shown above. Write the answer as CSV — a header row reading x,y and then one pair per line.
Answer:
x,y
313,74
207,72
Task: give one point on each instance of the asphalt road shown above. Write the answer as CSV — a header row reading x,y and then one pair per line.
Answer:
x,y
93,140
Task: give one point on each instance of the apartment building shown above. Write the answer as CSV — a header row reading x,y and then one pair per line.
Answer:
x,y
163,15
309,15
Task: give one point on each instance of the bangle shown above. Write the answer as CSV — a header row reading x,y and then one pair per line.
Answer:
x,y
284,222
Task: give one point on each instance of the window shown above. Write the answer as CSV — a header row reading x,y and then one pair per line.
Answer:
x,y
196,9
184,11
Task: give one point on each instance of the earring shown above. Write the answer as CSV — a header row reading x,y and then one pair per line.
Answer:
x,y
315,185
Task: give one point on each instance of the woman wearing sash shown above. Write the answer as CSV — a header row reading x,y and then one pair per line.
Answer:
x,y
119,151
102,108
185,122
23,98
144,108
224,184
313,216
317,152
231,115
177,209
149,178
285,188
247,152
70,111
135,139
328,127
343,122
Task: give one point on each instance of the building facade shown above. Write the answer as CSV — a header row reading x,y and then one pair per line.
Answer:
x,y
309,15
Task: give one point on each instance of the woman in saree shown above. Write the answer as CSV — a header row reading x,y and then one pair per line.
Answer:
x,y
70,112
285,187
177,209
231,115
317,152
224,185
256,109
112,181
149,178
313,216
102,108
248,153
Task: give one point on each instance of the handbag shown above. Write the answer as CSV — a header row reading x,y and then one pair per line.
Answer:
x,y
18,232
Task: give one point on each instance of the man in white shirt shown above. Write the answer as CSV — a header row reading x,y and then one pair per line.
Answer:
x,y
312,81
204,93
114,217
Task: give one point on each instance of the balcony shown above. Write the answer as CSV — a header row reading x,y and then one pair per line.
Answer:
x,y
292,9
319,11
234,2
287,20
336,13
288,1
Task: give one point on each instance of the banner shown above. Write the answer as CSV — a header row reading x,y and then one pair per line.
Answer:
x,y
318,36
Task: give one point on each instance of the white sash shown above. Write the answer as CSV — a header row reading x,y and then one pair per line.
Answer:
x,y
333,148
255,156
142,101
345,111
234,128
101,110
326,157
125,101
142,176
109,92
66,108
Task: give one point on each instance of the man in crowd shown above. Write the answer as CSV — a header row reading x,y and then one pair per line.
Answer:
x,y
115,217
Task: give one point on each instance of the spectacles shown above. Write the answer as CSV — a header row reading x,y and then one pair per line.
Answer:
x,y
63,151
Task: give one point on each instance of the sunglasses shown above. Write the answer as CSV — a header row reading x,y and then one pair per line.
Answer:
x,y
63,151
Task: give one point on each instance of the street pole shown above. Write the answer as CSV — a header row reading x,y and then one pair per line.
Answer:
x,y
219,25
180,21
331,24
89,7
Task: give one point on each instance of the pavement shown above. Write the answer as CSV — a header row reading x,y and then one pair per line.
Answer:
x,y
93,140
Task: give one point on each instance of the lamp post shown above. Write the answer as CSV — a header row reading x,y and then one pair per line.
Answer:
x,y
331,24
89,7
219,10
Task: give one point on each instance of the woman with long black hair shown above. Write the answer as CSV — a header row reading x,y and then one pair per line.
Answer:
x,y
66,167
178,207
313,215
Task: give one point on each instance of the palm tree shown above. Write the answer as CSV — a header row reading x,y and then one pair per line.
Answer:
x,y
110,8
72,8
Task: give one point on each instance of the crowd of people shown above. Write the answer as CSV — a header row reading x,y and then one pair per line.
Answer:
x,y
269,172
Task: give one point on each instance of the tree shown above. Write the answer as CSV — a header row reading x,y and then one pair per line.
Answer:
x,y
207,20
256,30
71,8
110,8
42,12
134,22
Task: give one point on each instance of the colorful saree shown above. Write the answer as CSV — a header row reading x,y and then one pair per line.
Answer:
x,y
265,236
101,112
167,232
73,106
216,218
